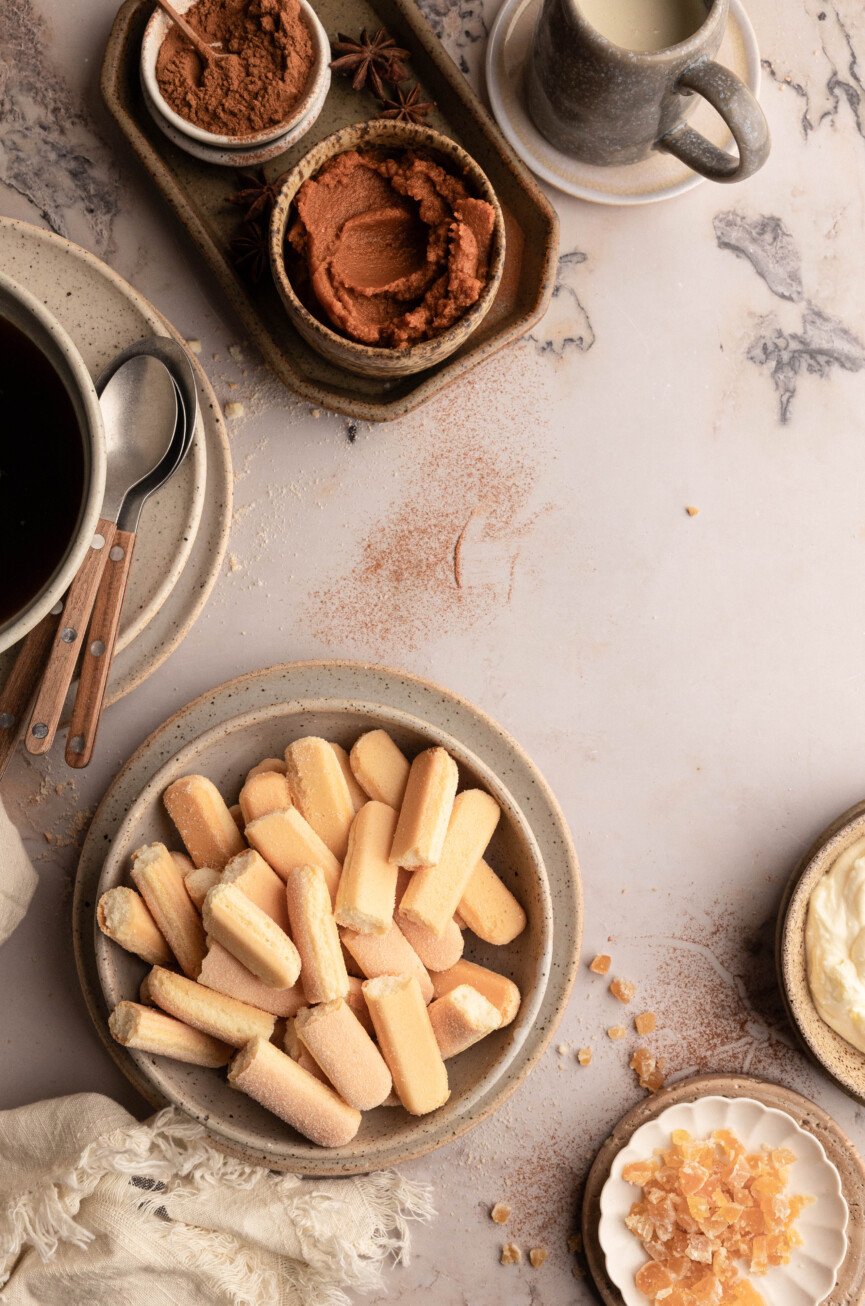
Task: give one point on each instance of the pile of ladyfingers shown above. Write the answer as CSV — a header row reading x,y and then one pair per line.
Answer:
x,y
312,935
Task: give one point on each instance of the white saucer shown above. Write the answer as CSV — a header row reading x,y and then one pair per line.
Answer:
x,y
813,1268
658,178
184,527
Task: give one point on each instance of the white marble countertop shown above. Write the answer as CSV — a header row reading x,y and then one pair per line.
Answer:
x,y
692,686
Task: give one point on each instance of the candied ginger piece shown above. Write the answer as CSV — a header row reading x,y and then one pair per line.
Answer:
x,y
601,964
584,1056
653,1278
639,1172
622,989
645,1023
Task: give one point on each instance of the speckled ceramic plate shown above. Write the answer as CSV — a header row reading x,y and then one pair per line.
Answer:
x,y
815,1125
341,699
810,1276
659,178
183,532
838,1058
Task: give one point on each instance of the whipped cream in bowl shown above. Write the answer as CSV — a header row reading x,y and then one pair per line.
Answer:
x,y
835,945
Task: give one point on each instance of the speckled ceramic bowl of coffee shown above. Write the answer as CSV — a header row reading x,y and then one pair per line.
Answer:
x,y
371,360
838,1058
217,148
387,1136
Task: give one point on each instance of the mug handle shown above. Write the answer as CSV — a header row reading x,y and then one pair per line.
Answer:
x,y
734,102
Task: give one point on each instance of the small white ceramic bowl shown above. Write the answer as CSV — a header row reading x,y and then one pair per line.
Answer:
x,y
813,1269
32,318
185,134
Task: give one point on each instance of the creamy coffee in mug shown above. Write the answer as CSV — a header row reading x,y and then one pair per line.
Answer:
x,y
611,81
645,24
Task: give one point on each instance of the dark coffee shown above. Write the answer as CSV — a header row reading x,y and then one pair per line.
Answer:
x,y
41,470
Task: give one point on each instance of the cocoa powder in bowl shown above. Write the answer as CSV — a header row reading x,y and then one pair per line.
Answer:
x,y
257,88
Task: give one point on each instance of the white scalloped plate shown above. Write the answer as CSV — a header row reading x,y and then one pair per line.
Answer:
x,y
811,1274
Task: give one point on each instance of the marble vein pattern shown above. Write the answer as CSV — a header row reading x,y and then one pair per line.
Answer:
x,y
461,27
566,327
819,342
830,79
72,171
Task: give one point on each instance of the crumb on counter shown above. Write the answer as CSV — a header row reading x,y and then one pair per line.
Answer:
x,y
511,1254
645,1023
537,1256
616,1032
563,1049
500,1213
691,510
194,346
584,1056
601,964
575,1242
234,409
622,989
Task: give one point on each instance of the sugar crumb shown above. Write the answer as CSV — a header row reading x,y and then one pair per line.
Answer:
x,y
615,1032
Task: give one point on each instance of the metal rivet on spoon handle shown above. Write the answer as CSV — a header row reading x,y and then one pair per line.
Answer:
x,y
21,682
139,411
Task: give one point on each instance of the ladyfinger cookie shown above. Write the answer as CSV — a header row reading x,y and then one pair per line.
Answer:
x,y
435,892
313,928
286,839
213,1013
225,974
366,896
426,810
267,764
123,916
407,1042
266,792
251,936
203,821
340,1045
489,908
283,1087
252,875
319,791
436,953
144,992
199,881
497,989
357,1002
461,1018
358,797
388,954
147,1030
380,768
293,1048
163,888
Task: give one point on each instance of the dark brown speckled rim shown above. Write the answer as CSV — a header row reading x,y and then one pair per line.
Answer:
x,y
843,1063
389,135
447,711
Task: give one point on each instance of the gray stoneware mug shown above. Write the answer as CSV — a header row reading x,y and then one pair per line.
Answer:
x,y
608,105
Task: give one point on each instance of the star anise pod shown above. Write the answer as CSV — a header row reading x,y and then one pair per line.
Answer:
x,y
405,106
256,195
249,248
376,60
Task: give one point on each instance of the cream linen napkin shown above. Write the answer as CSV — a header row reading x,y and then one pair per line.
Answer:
x,y
17,877
96,1208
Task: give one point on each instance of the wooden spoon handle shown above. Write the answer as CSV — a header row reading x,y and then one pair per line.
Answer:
x,y
99,652
60,669
194,38
21,684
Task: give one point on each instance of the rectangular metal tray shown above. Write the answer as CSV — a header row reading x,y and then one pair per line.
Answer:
x,y
197,192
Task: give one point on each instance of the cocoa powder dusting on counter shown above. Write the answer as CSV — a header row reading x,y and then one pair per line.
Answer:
x,y
258,86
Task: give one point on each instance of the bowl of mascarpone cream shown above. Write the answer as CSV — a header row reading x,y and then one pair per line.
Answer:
x,y
821,950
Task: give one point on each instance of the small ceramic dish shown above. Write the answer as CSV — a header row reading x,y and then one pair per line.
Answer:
x,y
369,360
225,753
241,150
844,1063
813,1268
